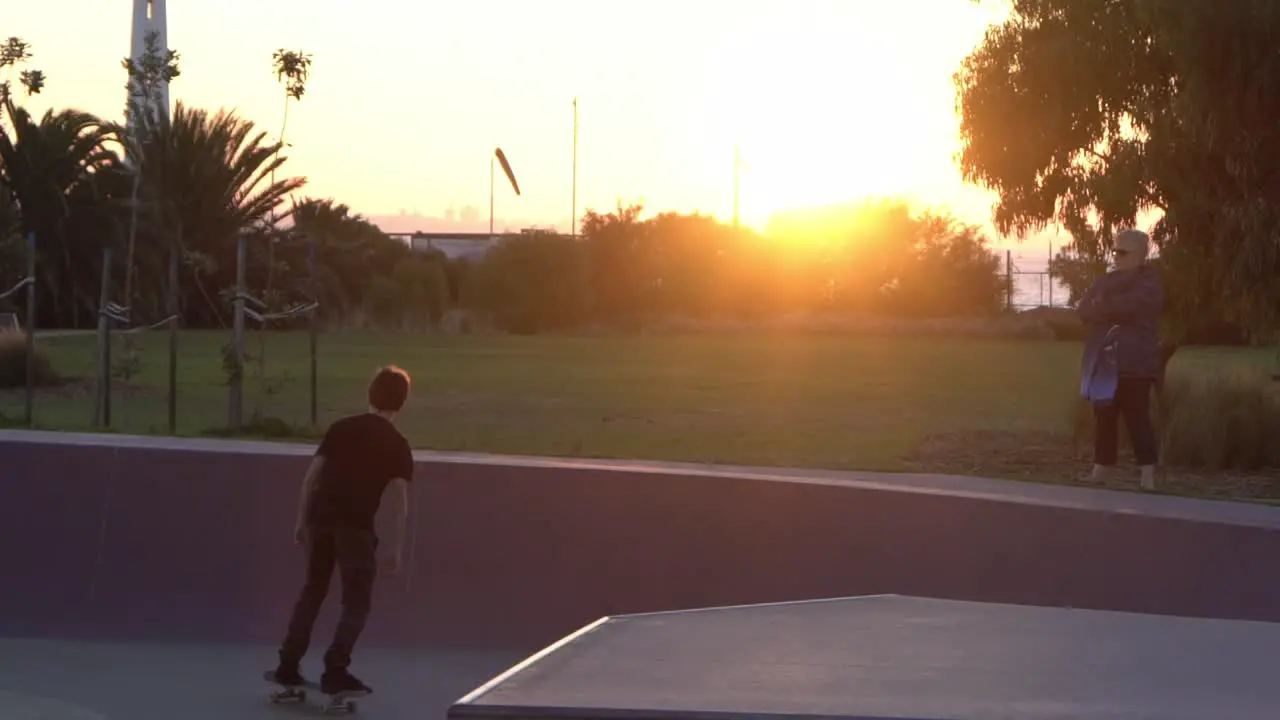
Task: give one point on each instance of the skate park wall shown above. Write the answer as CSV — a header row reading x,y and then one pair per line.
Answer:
x,y
191,540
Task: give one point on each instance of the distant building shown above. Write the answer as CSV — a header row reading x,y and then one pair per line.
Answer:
x,y
454,245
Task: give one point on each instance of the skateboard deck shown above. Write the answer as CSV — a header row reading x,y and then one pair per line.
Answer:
x,y
338,702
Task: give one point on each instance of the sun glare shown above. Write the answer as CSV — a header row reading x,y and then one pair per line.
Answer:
x,y
831,104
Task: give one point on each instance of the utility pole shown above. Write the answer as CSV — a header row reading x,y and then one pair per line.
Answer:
x,y
737,180
573,214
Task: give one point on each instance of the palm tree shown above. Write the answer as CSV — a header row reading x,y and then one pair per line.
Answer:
x,y
52,169
12,267
206,180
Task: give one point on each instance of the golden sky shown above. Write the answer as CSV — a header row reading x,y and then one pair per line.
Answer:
x,y
830,101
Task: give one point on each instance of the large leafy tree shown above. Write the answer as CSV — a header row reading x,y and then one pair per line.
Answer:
x,y
950,271
1090,112
621,262
500,284
698,261
351,253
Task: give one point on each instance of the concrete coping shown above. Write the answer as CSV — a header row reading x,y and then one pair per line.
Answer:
x,y
989,489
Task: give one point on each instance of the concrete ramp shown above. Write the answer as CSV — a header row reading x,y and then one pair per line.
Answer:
x,y
170,564
894,657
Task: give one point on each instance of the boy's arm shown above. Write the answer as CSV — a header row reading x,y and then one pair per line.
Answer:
x,y
305,494
399,491
398,488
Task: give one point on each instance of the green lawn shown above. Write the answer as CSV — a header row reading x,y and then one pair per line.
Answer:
x,y
818,401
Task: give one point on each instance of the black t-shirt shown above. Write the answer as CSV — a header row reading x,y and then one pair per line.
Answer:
x,y
362,453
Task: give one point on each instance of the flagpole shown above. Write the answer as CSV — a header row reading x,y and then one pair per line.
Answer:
x,y
574,211
737,172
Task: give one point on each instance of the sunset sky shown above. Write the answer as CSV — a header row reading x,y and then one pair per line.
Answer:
x,y
830,101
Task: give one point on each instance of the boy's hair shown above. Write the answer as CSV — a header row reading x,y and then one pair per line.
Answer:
x,y
389,389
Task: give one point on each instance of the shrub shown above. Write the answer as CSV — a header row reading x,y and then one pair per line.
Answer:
x,y
265,426
1068,331
13,362
531,283
1208,418
1222,420
1065,323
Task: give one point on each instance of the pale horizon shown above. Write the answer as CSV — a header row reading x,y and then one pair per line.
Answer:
x,y
830,102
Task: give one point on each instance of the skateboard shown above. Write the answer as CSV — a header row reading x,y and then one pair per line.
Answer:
x,y
338,702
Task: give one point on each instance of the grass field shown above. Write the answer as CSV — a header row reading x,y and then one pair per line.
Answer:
x,y
815,401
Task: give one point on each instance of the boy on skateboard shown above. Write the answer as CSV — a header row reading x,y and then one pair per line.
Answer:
x,y
360,457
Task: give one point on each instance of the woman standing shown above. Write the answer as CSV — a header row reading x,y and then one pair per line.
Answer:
x,y
1122,356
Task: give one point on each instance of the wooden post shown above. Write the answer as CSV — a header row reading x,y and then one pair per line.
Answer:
x,y
173,335
311,270
262,330
102,411
236,404
30,405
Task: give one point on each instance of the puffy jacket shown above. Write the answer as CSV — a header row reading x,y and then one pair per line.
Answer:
x,y
1131,302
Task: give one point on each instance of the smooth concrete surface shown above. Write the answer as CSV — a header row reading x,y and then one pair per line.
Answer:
x,y
78,680
895,657
16,706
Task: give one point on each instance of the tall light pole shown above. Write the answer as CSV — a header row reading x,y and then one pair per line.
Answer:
x,y
573,213
737,179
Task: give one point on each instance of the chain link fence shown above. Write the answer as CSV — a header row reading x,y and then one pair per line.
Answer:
x,y
1030,284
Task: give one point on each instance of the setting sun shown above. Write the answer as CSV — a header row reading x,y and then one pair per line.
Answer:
x,y
828,101
837,102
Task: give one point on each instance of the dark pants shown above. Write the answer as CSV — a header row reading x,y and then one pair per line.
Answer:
x,y
1133,403
354,553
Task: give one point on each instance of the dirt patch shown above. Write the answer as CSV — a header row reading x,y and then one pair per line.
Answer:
x,y
1055,458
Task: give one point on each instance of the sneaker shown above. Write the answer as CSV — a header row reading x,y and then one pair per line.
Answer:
x,y
333,683
289,676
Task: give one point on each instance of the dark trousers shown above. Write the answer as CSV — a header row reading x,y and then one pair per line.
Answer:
x,y
354,553
1133,404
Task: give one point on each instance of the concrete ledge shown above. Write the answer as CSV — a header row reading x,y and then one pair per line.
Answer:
x,y
189,539
1066,496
